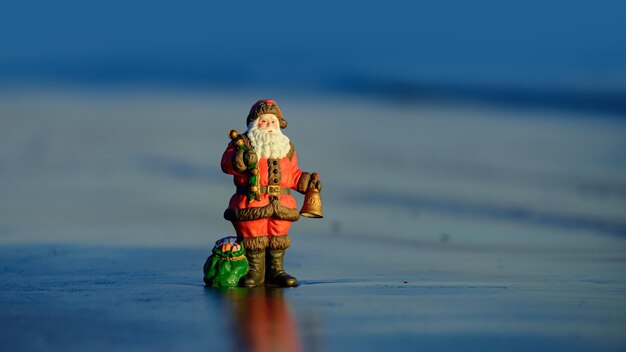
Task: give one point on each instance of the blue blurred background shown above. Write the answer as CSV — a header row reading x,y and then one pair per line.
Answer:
x,y
568,54
114,114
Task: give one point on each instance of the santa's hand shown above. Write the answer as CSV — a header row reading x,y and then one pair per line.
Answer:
x,y
250,158
315,182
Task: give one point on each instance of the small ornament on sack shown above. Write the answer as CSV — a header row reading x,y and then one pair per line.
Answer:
x,y
226,265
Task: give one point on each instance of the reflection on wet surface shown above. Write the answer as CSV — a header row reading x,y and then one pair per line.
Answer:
x,y
262,319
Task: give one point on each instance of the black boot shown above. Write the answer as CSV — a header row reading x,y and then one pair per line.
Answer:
x,y
275,274
256,270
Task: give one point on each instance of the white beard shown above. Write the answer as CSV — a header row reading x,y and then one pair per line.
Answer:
x,y
273,145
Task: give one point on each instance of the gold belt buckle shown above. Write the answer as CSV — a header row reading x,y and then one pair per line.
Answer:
x,y
273,190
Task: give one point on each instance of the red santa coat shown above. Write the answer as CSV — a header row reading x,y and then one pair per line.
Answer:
x,y
270,215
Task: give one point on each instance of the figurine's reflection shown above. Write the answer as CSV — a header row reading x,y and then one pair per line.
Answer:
x,y
262,318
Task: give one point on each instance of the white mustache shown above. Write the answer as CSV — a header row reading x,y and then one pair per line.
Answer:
x,y
272,145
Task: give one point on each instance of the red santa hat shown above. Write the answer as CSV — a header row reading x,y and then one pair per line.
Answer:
x,y
266,106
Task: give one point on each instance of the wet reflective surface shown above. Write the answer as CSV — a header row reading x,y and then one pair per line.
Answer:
x,y
72,298
261,318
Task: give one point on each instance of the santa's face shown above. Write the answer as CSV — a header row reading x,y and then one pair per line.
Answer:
x,y
267,138
268,122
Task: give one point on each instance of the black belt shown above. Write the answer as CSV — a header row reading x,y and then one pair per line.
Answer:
x,y
271,190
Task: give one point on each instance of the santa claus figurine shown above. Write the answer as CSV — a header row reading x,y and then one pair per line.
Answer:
x,y
265,169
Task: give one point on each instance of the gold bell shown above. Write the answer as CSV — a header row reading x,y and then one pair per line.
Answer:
x,y
312,207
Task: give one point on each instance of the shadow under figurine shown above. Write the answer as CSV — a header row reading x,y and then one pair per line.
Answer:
x,y
265,170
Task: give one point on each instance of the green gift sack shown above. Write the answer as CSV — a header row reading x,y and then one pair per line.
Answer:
x,y
226,265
